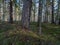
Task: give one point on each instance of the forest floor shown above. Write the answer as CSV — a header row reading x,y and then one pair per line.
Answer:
x,y
13,34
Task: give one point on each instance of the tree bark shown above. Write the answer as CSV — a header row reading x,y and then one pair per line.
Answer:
x,y
52,11
39,16
3,10
59,11
27,4
11,12
58,14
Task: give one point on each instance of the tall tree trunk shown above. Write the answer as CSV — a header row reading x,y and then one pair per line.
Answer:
x,y
58,13
46,7
34,9
3,10
27,4
0,9
52,11
39,20
15,16
46,14
15,10
11,12
59,10
39,16
57,16
20,10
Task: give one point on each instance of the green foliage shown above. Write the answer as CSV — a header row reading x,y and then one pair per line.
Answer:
x,y
12,35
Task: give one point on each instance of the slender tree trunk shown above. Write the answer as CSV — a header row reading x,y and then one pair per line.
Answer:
x,y
44,7
26,13
57,17
19,10
46,14
59,10
0,10
15,10
11,12
39,16
52,11
34,10
3,10
58,13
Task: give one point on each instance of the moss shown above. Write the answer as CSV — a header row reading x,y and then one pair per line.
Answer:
x,y
10,34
